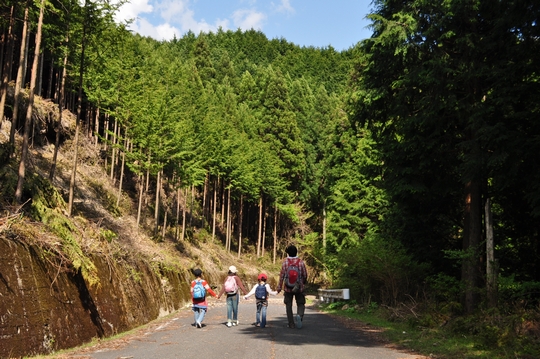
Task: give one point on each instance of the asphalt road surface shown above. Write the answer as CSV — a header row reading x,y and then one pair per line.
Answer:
x,y
321,336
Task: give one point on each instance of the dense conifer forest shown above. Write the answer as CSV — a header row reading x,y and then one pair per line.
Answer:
x,y
406,167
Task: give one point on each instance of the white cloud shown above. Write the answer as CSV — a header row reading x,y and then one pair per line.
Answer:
x,y
248,19
286,7
132,9
164,19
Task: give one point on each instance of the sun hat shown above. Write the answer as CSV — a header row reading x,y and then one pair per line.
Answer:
x,y
232,269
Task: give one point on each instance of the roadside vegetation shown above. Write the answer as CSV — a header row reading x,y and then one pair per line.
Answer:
x,y
485,335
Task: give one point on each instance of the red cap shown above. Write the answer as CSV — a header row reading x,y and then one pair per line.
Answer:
x,y
262,276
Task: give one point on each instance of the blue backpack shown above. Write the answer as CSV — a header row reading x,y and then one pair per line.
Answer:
x,y
260,292
199,292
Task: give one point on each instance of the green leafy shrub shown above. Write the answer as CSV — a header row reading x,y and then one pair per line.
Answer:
x,y
378,270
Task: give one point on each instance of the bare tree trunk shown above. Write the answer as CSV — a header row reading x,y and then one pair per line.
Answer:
x,y
141,191
240,217
156,211
27,123
205,191
18,81
263,234
184,211
216,184
126,142
6,68
228,240
178,192
164,229
60,113
96,128
491,262
192,207
113,153
222,188
57,89
259,239
147,186
40,74
275,234
79,119
26,50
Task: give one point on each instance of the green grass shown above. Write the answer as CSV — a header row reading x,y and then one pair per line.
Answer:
x,y
463,338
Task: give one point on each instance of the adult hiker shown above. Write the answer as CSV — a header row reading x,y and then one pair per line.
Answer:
x,y
292,278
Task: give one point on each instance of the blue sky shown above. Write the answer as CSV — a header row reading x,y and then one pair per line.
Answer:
x,y
319,23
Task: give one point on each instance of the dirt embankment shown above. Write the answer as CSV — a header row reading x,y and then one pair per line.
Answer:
x,y
44,307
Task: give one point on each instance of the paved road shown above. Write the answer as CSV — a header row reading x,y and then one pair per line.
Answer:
x,y
321,336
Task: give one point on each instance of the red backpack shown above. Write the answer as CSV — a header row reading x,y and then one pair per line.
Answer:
x,y
292,275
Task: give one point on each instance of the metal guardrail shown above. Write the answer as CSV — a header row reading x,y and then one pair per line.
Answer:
x,y
330,295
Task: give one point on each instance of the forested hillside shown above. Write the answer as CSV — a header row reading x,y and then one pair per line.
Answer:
x,y
406,168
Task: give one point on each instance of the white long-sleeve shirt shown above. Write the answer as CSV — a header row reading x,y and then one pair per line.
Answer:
x,y
268,289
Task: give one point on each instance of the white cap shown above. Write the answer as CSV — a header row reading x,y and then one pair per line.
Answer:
x,y
232,269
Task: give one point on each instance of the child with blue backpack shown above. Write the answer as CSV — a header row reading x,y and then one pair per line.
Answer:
x,y
199,289
262,290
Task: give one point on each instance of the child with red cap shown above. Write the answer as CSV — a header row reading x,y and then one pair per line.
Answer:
x,y
261,291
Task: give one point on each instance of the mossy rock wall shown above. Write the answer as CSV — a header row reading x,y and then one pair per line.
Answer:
x,y
45,306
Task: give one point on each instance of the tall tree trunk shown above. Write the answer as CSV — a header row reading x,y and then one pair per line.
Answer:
x,y
263,234
259,235
78,119
214,209
26,50
491,262
205,192
28,121
192,207
471,242
18,80
184,212
113,152
6,68
96,128
158,194
275,234
228,236
60,113
147,185
178,193
126,144
141,191
164,229
240,218
222,202
40,74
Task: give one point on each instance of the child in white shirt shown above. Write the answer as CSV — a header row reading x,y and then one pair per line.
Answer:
x,y
261,291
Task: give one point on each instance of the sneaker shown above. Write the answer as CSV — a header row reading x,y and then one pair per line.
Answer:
x,y
198,325
291,325
236,323
298,321
229,324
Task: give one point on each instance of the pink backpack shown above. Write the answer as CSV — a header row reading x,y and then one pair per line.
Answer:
x,y
230,284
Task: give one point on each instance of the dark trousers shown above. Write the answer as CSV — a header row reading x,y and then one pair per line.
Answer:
x,y
300,299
